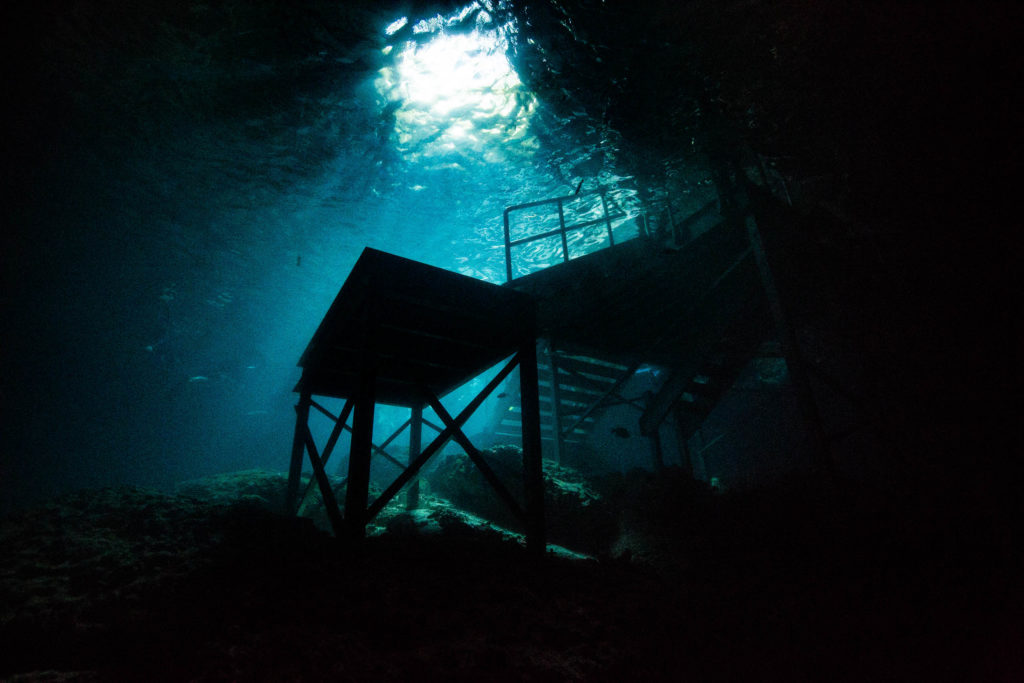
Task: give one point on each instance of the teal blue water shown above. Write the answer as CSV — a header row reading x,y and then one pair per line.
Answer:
x,y
190,214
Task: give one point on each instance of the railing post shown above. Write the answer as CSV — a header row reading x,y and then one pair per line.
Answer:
x,y
556,405
561,230
412,499
508,250
607,220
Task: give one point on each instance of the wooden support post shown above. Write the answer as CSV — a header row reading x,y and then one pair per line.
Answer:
x,y
533,468
557,437
412,499
684,443
359,456
794,359
298,443
731,182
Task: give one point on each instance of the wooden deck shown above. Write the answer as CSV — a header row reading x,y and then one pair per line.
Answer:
x,y
419,326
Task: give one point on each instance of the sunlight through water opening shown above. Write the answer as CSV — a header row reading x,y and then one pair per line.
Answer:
x,y
455,95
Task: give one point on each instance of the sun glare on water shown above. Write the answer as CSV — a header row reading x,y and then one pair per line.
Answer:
x,y
458,93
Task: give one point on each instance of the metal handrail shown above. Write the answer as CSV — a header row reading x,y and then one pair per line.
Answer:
x,y
562,229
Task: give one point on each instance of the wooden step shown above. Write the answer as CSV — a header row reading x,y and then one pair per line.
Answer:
x,y
599,370
585,383
512,417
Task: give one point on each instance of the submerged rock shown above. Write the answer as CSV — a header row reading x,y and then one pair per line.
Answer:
x,y
254,488
576,514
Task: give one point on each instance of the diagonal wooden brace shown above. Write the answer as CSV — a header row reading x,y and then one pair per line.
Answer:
x,y
477,458
339,424
439,441
330,502
383,453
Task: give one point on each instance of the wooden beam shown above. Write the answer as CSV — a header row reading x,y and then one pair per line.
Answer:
x,y
533,468
359,456
298,443
339,422
611,391
794,358
330,502
685,227
395,434
556,404
607,373
374,448
338,426
412,499
439,441
478,459
729,285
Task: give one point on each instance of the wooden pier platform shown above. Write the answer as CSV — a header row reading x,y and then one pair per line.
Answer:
x,y
404,333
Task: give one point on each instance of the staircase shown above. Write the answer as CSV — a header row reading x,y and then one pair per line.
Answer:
x,y
691,392
573,390
686,297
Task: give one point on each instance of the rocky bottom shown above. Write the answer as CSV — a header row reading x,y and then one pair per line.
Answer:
x,y
210,584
